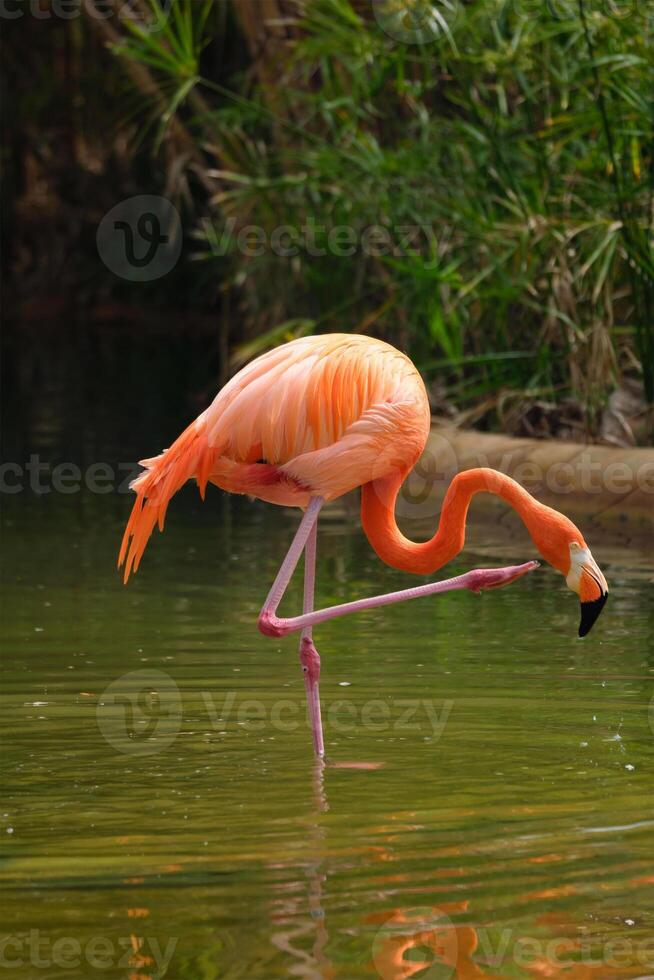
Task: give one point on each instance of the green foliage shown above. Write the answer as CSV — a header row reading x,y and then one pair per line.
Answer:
x,y
169,44
518,140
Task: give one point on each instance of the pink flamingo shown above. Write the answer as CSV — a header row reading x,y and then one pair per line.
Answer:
x,y
310,421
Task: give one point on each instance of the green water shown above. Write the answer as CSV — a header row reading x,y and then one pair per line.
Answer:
x,y
487,806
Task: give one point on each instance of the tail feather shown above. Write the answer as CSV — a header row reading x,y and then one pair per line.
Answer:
x,y
189,456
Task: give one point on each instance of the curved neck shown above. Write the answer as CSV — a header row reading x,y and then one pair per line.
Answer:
x,y
378,518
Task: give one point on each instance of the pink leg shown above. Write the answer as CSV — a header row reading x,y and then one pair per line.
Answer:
x,y
289,564
476,581
305,538
309,656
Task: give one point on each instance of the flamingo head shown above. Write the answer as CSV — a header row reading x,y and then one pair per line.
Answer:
x,y
586,579
561,543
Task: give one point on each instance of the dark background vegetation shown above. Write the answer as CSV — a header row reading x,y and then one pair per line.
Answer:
x,y
518,137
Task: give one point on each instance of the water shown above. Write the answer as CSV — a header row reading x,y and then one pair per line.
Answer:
x,y
487,806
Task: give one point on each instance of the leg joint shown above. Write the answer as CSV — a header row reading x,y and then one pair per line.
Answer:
x,y
270,625
310,659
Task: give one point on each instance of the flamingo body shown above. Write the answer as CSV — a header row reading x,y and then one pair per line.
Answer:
x,y
318,416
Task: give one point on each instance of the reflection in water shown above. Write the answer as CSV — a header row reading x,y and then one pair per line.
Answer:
x,y
313,965
424,942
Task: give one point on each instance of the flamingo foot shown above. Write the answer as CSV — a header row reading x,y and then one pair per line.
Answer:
x,y
495,578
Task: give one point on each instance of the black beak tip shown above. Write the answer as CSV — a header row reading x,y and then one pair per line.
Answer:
x,y
590,612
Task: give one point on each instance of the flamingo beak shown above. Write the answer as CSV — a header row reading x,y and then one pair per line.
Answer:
x,y
589,613
593,594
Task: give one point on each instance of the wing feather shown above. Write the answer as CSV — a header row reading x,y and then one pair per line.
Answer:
x,y
329,405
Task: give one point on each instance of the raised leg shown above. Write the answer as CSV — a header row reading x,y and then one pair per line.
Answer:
x,y
476,580
309,656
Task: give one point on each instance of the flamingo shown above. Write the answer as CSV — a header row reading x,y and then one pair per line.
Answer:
x,y
313,419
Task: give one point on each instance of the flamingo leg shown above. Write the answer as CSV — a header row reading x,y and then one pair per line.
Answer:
x,y
309,656
289,564
476,581
304,540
